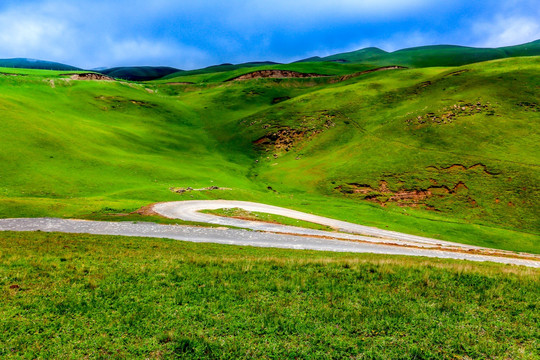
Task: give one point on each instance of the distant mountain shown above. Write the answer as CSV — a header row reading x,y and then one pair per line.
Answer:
x,y
140,73
35,64
437,55
416,57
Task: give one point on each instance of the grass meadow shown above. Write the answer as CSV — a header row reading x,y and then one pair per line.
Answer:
x,y
95,297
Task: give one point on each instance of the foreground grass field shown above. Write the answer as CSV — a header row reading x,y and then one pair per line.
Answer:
x,y
82,296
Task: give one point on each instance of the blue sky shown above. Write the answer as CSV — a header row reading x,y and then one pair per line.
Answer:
x,y
198,33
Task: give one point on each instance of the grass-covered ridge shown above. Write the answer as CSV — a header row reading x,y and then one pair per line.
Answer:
x,y
434,55
450,153
83,296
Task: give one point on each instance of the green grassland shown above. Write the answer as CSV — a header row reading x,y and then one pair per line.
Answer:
x,y
205,76
343,149
94,297
35,64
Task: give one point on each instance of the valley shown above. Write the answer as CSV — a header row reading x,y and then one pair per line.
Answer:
x,y
437,152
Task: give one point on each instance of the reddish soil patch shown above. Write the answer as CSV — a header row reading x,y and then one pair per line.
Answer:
x,y
284,139
89,76
147,210
402,197
274,74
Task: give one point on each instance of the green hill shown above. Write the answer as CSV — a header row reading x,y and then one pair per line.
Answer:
x,y
35,64
445,152
139,73
438,55
219,68
371,54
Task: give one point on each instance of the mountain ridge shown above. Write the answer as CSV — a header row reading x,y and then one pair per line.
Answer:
x,y
416,57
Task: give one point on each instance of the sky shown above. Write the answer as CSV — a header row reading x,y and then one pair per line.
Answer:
x,y
190,34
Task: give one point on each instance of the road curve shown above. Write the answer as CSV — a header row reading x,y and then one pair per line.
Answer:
x,y
240,237
190,211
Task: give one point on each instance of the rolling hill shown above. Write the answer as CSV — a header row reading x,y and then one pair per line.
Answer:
x,y
25,63
446,152
438,55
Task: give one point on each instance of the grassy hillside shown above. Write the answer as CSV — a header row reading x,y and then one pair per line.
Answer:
x,y
438,55
220,75
220,68
447,140
35,64
444,152
82,296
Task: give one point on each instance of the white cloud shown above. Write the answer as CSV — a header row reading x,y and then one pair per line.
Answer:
x,y
20,37
505,31
69,35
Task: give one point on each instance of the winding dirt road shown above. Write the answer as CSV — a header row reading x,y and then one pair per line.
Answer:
x,y
190,211
352,238
384,239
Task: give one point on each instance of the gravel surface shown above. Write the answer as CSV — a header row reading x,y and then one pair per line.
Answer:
x,y
236,237
189,211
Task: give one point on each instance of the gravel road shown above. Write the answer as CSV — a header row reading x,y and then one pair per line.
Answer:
x,y
235,237
190,211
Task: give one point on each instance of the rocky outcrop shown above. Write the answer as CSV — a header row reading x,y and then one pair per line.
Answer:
x,y
274,74
402,197
89,76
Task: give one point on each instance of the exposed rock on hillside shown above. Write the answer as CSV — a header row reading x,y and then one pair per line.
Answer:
x,y
402,197
89,76
447,115
275,74
285,138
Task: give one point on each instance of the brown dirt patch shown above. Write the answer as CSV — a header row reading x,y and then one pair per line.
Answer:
x,y
451,113
275,74
89,76
285,139
181,190
147,210
402,197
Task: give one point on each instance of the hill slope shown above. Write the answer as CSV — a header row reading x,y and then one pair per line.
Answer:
x,y
450,153
35,64
438,55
